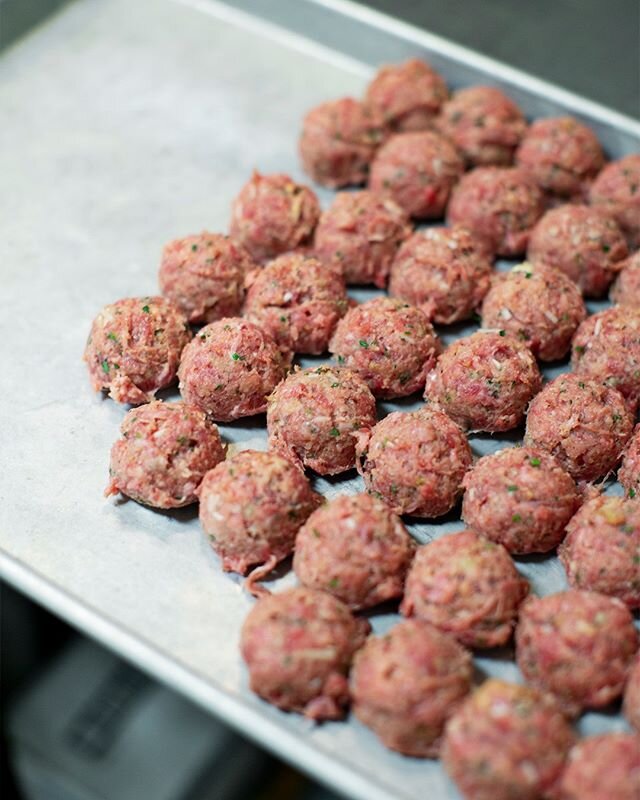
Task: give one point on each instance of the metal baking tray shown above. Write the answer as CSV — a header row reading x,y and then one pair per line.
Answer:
x,y
125,125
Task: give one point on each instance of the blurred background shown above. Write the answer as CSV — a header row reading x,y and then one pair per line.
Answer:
x,y
75,717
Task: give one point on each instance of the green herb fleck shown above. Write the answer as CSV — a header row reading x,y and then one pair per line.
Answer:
x,y
334,432
632,493
341,359
512,488
579,349
105,366
502,333
194,247
364,343
237,357
333,583
605,248
516,518
146,309
182,440
535,462
112,336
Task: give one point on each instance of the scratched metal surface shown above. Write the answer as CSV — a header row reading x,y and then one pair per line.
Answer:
x,y
125,125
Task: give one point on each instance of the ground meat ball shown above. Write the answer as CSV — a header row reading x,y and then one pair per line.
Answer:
x,y
204,276
501,204
606,346
229,369
407,97
164,454
389,344
418,170
616,191
407,683
338,142
298,647
583,242
443,271
251,508
602,549
272,215
297,301
631,705
539,305
314,416
578,646
484,124
359,234
506,742
562,155
521,498
629,472
484,382
626,288
355,548
415,462
605,767
584,424
134,348
467,586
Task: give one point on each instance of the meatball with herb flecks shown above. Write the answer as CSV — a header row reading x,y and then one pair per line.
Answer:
x,y
407,683
164,453
468,586
415,462
298,646
297,301
359,235
539,305
605,767
273,214
418,170
485,125
204,276
520,497
134,348
446,272
389,344
601,551
626,287
629,472
578,646
616,191
338,141
484,382
631,704
315,415
355,548
230,368
580,422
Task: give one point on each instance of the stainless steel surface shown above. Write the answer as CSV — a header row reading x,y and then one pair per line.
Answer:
x,y
125,125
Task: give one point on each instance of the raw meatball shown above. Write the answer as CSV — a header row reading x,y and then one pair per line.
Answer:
x,y
164,454
272,215
578,646
507,742
583,242
407,683
359,234
484,124
229,369
616,191
626,288
134,348
444,271
314,416
484,382
338,142
501,204
355,548
606,347
631,705
415,462
297,301
418,170
562,155
602,549
298,647
389,344
204,276
629,472
605,767
467,586
521,498
539,305
407,97
584,424
251,508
